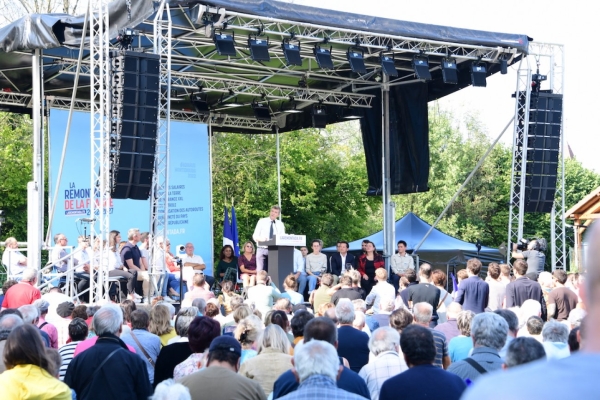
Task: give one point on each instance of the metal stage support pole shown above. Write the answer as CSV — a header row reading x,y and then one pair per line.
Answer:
x,y
159,210
389,207
100,146
35,188
210,172
278,169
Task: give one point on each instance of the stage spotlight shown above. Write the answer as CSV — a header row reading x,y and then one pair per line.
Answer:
x,y
356,58
292,53
323,57
199,100
225,44
262,112
350,113
478,74
291,108
503,65
421,66
319,116
449,71
259,49
388,66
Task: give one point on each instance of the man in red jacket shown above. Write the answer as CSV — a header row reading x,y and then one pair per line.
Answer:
x,y
24,292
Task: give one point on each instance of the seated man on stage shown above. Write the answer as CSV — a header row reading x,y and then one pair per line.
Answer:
x,y
316,264
400,263
341,261
193,262
14,261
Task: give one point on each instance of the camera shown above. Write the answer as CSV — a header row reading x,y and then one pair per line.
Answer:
x,y
522,244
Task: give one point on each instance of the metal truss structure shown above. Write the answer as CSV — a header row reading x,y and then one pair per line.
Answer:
x,y
549,57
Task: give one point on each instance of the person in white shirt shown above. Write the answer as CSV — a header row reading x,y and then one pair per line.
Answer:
x,y
81,258
264,293
400,263
382,290
316,264
299,265
14,261
191,263
265,229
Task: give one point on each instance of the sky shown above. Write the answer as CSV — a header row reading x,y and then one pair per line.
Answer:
x,y
548,21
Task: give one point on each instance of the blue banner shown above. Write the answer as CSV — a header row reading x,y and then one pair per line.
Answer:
x,y
189,199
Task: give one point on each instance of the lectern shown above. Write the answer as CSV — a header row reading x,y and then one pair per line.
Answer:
x,y
281,256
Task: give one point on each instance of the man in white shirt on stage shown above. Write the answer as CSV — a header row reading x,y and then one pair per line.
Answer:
x,y
192,263
14,260
265,229
400,263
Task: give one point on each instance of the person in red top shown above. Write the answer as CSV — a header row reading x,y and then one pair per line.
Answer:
x,y
24,292
367,264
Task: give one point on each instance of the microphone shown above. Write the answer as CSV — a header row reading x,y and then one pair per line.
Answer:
x,y
88,219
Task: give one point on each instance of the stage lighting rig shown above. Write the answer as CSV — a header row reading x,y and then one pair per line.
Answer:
x,y
125,37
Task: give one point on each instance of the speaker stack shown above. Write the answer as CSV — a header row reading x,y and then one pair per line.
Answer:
x,y
135,93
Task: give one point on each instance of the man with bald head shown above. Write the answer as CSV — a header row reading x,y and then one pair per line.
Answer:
x,y
577,374
450,327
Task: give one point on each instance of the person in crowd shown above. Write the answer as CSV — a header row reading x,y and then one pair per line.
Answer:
x,y
370,323
146,344
30,372
422,313
160,323
353,344
115,265
5,286
523,288
561,300
546,281
346,290
316,264
78,332
459,347
58,256
54,297
240,311
8,322
321,295
300,271
50,329
227,259
530,308
64,311
264,293
272,360
281,319
513,328
360,322
523,350
574,340
536,259
473,293
356,278
107,369
461,275
409,279
386,306
489,332
198,292
497,288
290,287
31,315
533,327
247,265
425,292
400,319
284,304
381,292
342,260
23,292
267,228
82,259
384,345
439,280
169,283
505,277
171,390
213,311
247,332
14,261
298,322
555,340
576,317
131,258
225,297
127,306
450,327
202,331
400,263
322,329
422,380
192,263
367,264
220,378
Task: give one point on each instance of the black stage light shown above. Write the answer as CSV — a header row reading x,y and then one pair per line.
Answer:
x,y
199,100
356,58
292,53
350,113
319,116
323,57
449,71
503,66
478,74
262,112
259,49
388,66
225,44
421,66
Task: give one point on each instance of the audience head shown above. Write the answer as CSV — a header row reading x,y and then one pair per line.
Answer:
x,y
359,305
24,346
545,279
185,316
523,350
42,306
462,274
556,332
140,319
316,357
574,339
284,304
384,339
560,276
346,280
211,310
78,330
80,311
520,267
505,270
261,276
411,275
201,332
54,361
474,266
489,330
29,275
128,306
160,320
275,338
576,316
65,309
422,313
199,280
280,318
425,272
464,321
241,312
30,314
248,330
327,280
344,312
511,319
438,278
453,310
8,322
170,390
400,319
494,271
199,303
417,345
321,328
227,287
225,349
108,320
291,282
355,275
359,320
8,284
381,274
535,325
299,321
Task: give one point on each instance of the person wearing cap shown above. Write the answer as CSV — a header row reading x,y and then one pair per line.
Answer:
x,y
42,306
63,312
220,378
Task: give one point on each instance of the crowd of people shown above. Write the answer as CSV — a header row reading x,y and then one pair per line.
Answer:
x,y
357,332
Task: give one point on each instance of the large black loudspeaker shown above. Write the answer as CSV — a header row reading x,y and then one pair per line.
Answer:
x,y
543,151
134,106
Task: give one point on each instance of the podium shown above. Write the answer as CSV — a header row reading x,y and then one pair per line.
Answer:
x,y
281,256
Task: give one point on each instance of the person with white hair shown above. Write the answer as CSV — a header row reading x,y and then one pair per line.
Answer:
x,y
450,327
108,370
488,331
422,313
530,308
23,292
384,345
31,315
171,390
317,368
14,261
555,337
8,322
353,344
360,322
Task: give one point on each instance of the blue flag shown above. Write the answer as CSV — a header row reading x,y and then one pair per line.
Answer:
x,y
234,233
227,235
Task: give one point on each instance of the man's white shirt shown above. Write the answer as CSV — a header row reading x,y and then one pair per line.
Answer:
x,y
298,261
11,258
401,264
380,291
263,228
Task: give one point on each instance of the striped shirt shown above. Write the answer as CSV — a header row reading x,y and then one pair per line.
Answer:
x,y
441,347
66,353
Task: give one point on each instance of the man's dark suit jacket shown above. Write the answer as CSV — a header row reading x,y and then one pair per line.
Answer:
x,y
522,289
473,293
336,263
353,345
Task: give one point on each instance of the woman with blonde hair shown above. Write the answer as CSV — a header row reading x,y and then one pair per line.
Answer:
x,y
247,265
290,285
273,358
247,332
225,297
460,346
160,324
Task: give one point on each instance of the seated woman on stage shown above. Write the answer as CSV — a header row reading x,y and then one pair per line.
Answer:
x,y
367,264
247,264
115,267
226,260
